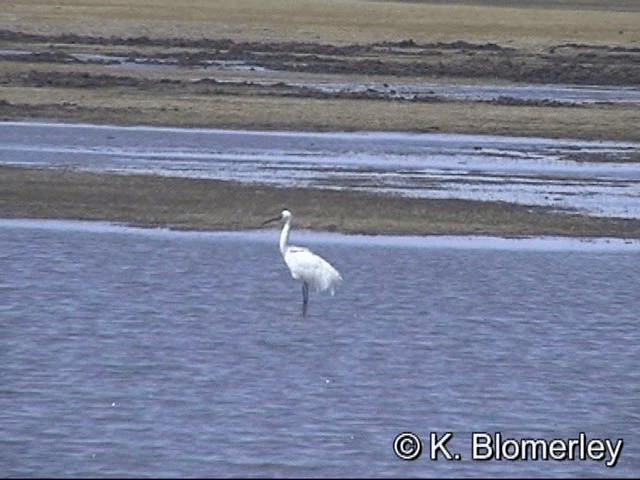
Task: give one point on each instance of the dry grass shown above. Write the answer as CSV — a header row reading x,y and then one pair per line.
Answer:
x,y
617,5
124,106
332,21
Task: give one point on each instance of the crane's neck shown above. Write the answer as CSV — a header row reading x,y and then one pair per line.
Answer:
x,y
284,236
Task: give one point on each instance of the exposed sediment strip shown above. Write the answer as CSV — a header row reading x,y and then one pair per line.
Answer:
x,y
208,204
297,85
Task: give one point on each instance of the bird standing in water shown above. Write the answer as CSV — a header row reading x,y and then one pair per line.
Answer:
x,y
305,266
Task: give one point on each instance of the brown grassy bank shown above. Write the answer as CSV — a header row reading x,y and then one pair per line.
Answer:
x,y
337,21
205,204
184,79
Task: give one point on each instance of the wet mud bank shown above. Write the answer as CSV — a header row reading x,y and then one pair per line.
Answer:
x,y
567,63
197,204
459,86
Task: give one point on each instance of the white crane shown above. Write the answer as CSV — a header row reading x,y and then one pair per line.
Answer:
x,y
304,265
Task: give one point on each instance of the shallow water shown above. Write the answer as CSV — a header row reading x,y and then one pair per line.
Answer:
x,y
600,178
567,94
152,352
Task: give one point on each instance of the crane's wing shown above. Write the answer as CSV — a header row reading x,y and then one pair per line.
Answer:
x,y
308,267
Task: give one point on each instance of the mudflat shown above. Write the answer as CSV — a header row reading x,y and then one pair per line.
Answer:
x,y
255,64
196,204
309,65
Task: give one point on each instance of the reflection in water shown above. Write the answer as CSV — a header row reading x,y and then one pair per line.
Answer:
x,y
152,352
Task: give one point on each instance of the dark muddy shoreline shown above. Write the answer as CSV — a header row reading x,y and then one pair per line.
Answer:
x,y
567,63
223,83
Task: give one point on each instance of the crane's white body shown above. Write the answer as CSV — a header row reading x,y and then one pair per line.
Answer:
x,y
305,266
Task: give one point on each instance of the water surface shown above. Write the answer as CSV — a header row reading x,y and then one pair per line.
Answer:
x,y
594,177
160,353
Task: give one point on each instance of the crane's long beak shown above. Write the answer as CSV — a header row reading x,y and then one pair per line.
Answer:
x,y
271,220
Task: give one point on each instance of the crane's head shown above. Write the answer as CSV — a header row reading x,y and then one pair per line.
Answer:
x,y
284,216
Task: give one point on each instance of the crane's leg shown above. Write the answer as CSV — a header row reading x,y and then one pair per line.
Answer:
x,y
305,297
